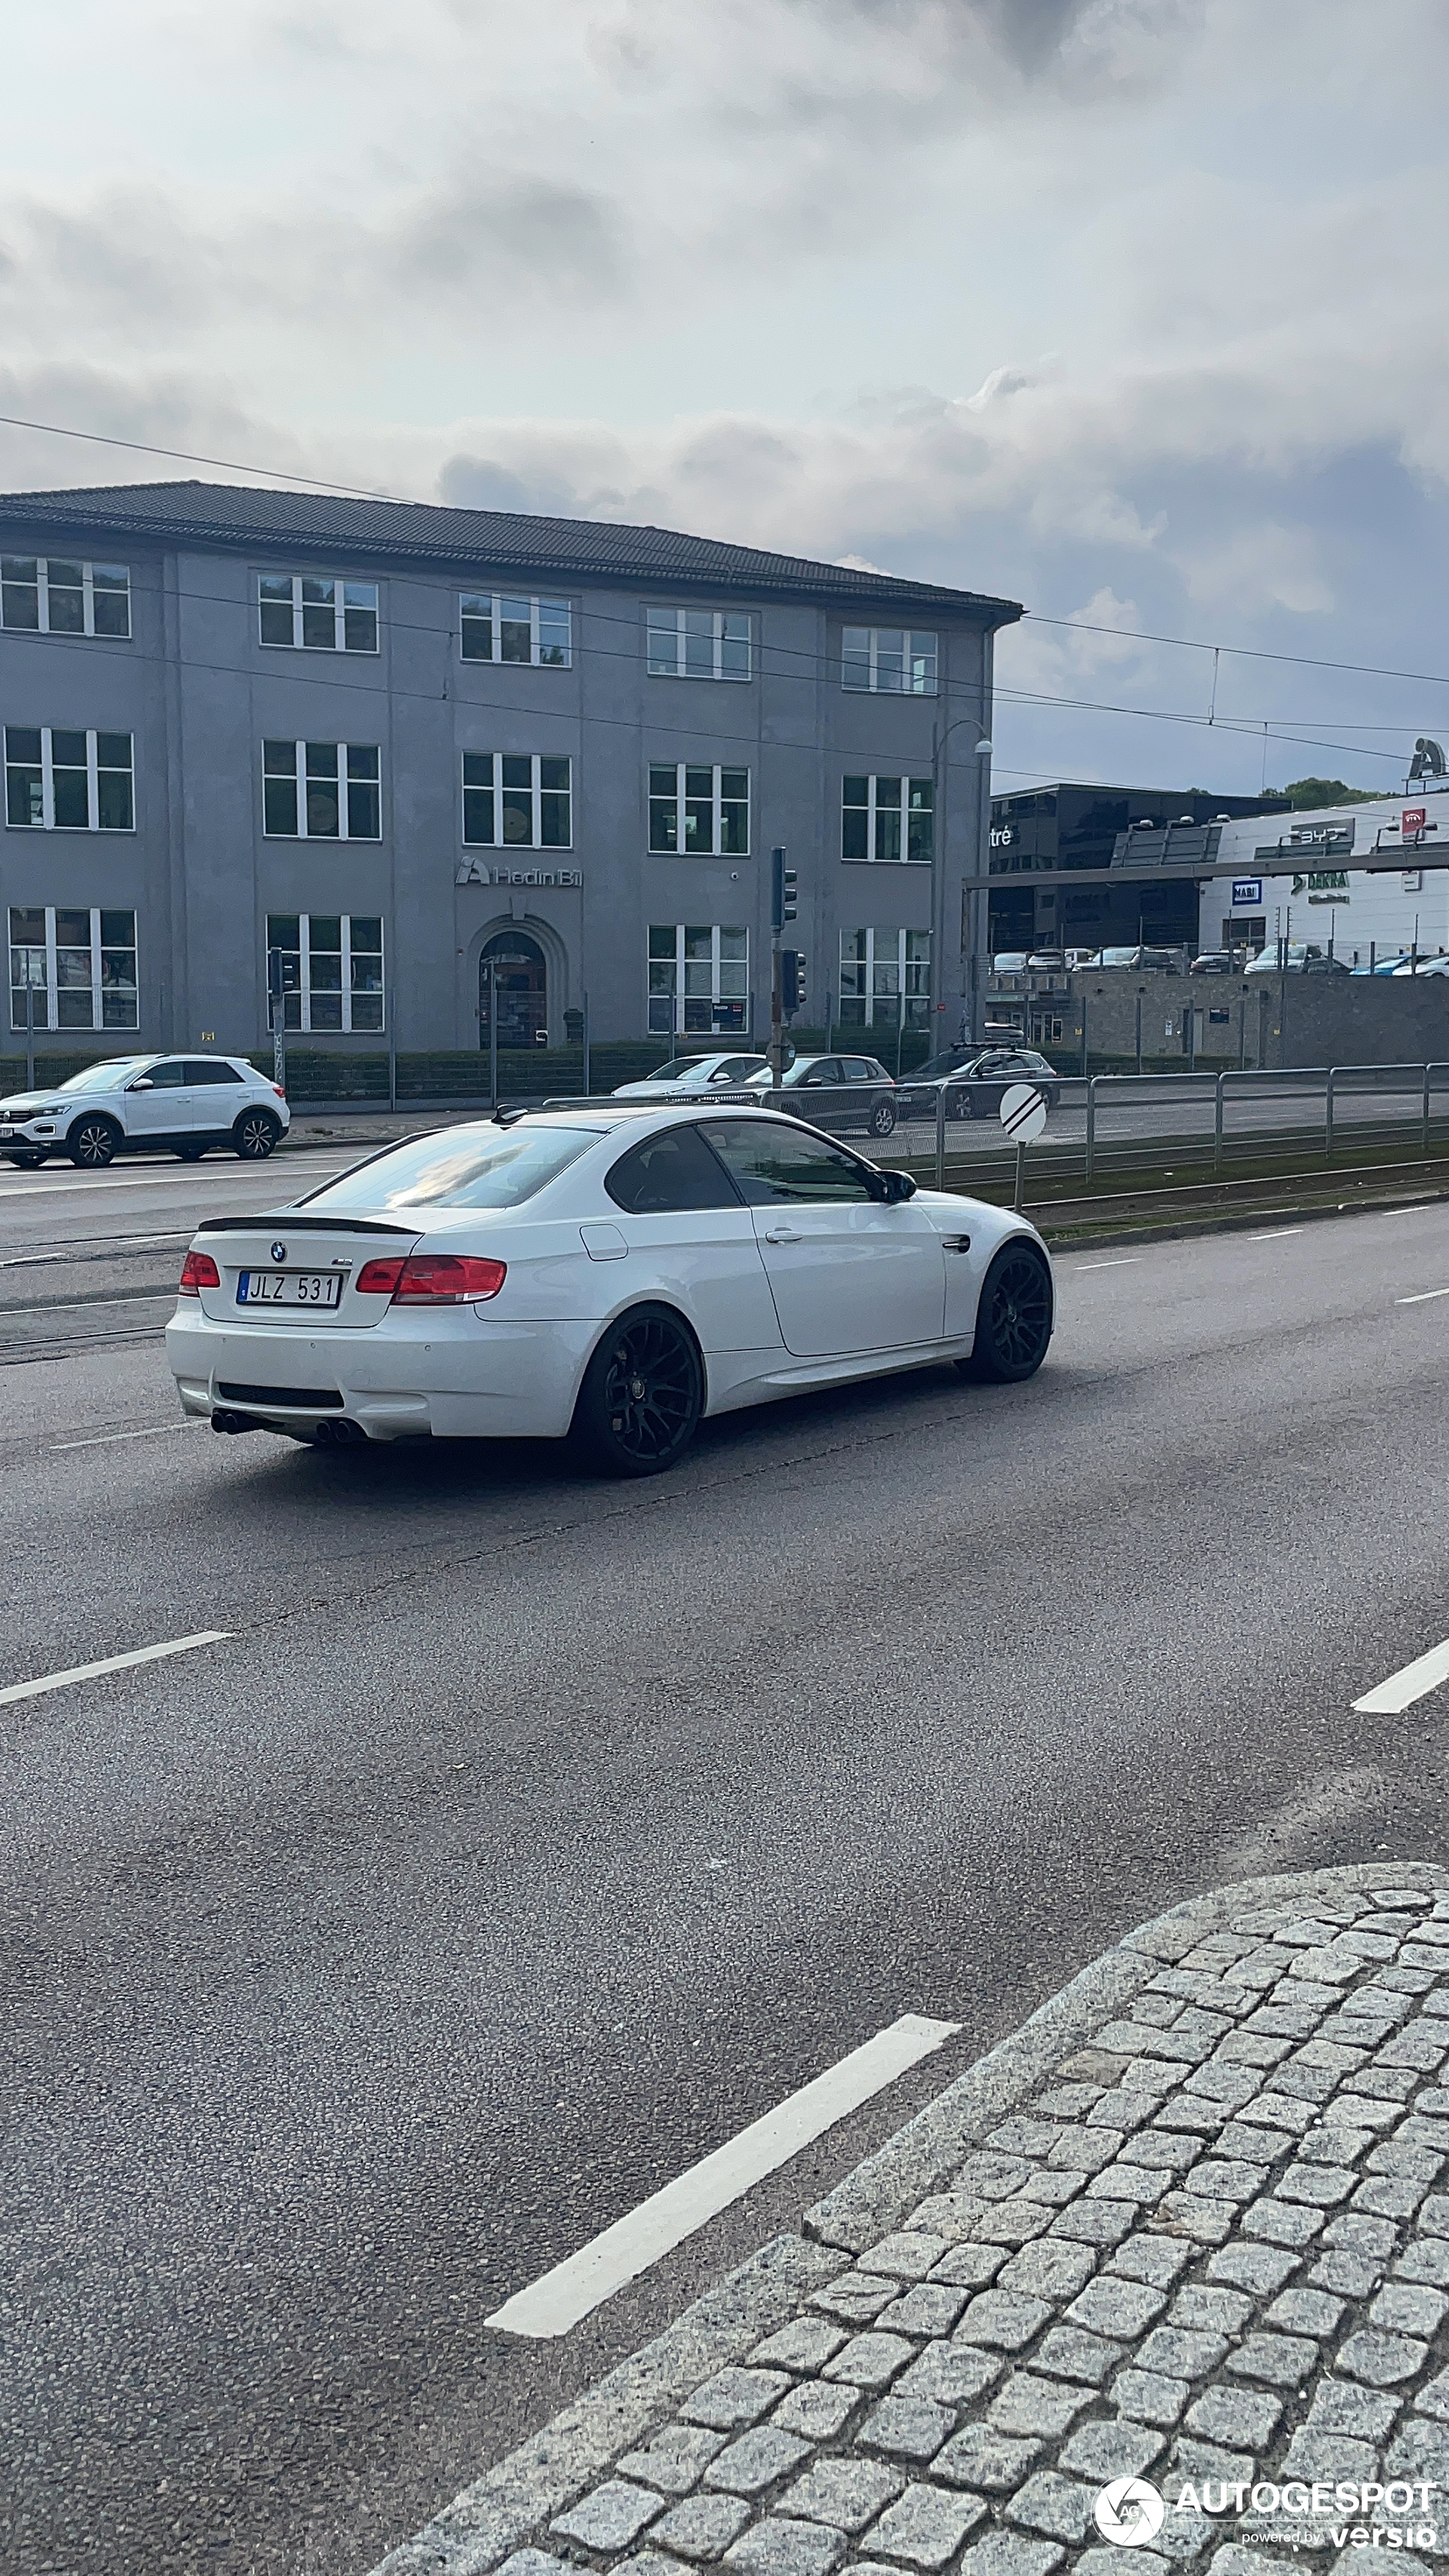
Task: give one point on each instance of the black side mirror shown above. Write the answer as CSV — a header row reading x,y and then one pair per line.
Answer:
x,y
892,1187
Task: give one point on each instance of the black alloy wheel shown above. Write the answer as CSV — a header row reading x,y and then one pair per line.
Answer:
x,y
961,1102
642,1395
882,1119
189,1153
26,1162
255,1135
92,1143
1014,1317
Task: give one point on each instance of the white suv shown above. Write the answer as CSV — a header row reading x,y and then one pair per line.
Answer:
x,y
138,1104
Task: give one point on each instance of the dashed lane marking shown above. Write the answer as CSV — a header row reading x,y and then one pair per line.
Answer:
x,y
1279,1234
1423,1297
111,1664
102,1439
555,2303
1121,1261
1411,1682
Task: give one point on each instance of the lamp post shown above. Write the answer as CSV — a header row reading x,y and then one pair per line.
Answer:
x,y
983,749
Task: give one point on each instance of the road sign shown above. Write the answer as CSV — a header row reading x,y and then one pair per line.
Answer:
x,y
1023,1113
1247,892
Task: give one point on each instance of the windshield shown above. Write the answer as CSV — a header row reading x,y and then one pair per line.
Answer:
x,y
470,1167
104,1077
954,1060
1119,957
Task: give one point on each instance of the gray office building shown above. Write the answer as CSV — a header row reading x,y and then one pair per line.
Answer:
x,y
428,757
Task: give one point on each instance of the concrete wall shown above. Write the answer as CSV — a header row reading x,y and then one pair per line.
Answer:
x,y
1269,1020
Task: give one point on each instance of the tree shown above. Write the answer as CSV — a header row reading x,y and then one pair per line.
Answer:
x,y
1306,794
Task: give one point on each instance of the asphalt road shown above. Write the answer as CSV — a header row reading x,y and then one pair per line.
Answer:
x,y
526,1837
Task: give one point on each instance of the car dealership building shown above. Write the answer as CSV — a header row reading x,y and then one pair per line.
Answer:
x,y
422,756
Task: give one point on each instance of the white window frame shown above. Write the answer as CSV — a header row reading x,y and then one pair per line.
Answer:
x,y
660,622
48,822
42,565
536,792
341,584
717,803
344,780
470,606
48,993
916,645
302,1025
873,807
676,1000
889,952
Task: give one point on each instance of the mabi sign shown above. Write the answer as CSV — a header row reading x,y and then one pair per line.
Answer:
x,y
1247,891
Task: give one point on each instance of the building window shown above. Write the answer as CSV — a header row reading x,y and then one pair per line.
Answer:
x,y
699,644
699,979
885,978
42,595
497,628
331,969
321,791
80,967
714,804
317,611
517,800
888,659
887,819
56,781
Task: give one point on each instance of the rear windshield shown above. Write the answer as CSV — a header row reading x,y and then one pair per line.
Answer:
x,y
471,1167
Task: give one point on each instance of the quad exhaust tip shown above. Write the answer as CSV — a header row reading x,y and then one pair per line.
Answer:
x,y
334,1434
339,1434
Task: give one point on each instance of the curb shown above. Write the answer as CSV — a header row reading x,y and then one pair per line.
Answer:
x,y
499,2511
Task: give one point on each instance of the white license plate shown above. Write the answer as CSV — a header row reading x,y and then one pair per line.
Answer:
x,y
289,1288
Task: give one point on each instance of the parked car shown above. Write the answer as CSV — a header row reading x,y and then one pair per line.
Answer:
x,y
838,1092
719,1071
1422,965
1012,961
145,1104
532,1277
1384,965
1155,961
974,1080
1214,961
1052,961
1302,958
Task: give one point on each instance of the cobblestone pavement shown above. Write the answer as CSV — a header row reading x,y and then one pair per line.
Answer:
x,y
1208,2250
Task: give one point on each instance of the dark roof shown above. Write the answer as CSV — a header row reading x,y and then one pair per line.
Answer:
x,y
240,515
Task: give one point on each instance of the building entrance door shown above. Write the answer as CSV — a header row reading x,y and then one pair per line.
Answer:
x,y
518,985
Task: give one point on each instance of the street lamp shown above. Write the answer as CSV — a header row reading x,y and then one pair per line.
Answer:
x,y
982,751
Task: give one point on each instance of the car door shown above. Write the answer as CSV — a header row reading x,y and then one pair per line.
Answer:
x,y
816,1095
158,1102
683,1226
847,1272
215,1092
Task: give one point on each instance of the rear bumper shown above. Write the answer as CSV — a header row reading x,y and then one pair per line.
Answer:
x,y
457,1378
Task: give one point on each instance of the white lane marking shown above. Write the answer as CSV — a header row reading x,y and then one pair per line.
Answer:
x,y
1423,1297
1121,1261
111,1664
101,1439
15,1194
555,2303
1279,1235
1402,1688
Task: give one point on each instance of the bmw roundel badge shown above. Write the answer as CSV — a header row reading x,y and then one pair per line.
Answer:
x,y
279,1252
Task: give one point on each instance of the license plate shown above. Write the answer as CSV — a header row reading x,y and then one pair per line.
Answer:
x,y
289,1288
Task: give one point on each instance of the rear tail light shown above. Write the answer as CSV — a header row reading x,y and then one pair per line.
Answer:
x,y
432,1279
198,1271
281,1095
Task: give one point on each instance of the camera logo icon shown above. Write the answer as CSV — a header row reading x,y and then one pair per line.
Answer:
x,y
1129,2512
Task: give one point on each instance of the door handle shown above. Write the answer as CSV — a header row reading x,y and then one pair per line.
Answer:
x,y
783,1234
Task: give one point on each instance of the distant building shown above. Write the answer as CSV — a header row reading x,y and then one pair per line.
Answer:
x,y
442,762
1071,825
1387,912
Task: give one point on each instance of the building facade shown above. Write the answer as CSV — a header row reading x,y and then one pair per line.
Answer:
x,y
1073,825
423,764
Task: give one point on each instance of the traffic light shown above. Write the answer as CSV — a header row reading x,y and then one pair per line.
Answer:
x,y
782,891
792,979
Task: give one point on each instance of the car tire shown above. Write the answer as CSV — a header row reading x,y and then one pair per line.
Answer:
x,y
1013,1317
882,1119
188,1153
622,1431
26,1162
93,1143
255,1135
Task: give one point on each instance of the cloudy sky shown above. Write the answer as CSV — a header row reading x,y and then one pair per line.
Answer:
x,y
1133,310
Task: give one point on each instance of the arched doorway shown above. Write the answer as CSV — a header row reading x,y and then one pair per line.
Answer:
x,y
512,969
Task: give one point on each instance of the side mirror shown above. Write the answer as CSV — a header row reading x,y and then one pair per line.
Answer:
x,y
143,1082
892,1187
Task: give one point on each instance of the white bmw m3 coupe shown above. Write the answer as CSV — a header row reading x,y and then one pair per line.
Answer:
x,y
613,1274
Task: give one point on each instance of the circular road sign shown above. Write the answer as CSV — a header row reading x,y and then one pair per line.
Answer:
x,y
1023,1113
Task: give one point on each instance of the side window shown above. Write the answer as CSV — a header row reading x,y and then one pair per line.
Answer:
x,y
774,1165
858,1068
166,1077
200,1069
668,1173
